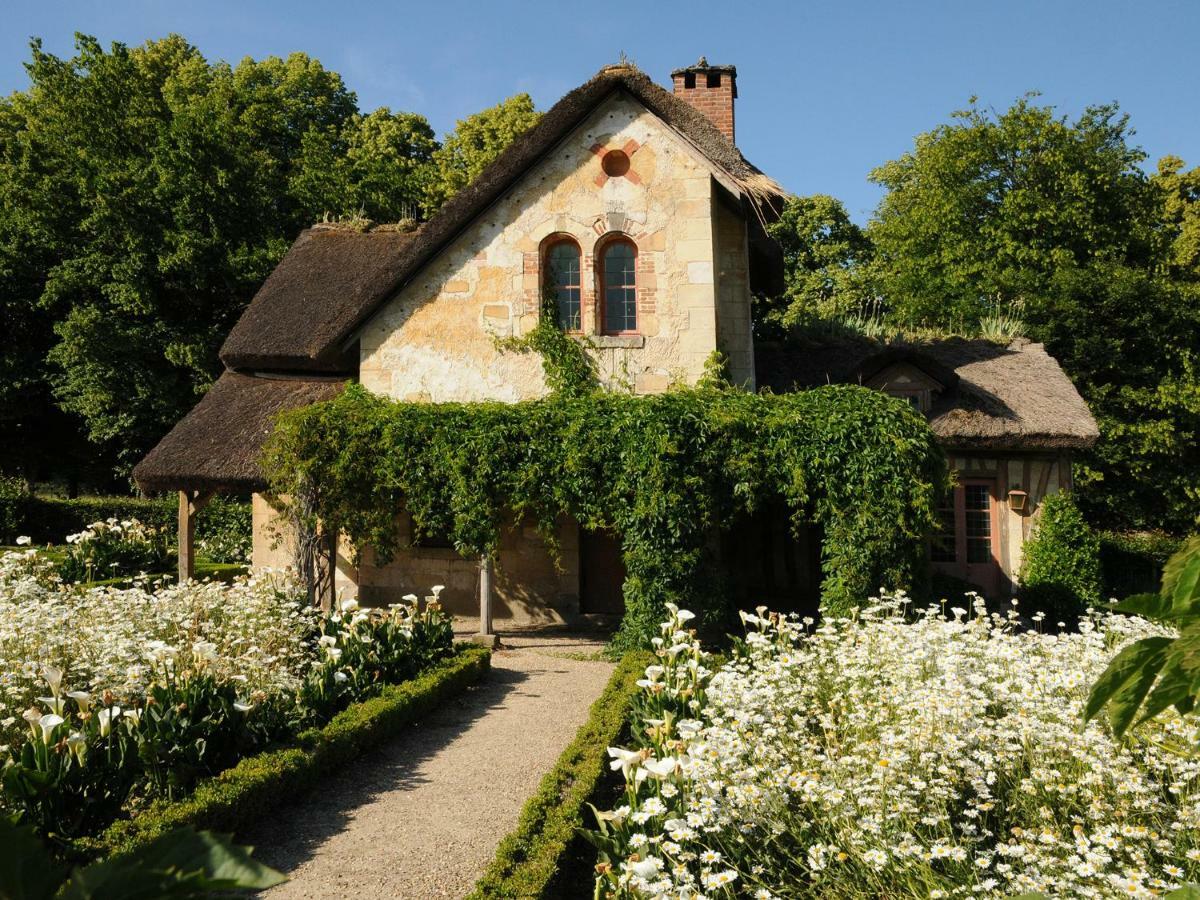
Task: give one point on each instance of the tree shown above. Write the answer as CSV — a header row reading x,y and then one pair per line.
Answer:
x,y
824,254
1181,215
475,142
1027,208
148,194
379,166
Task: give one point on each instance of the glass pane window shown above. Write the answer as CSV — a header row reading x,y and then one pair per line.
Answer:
x,y
620,288
942,548
977,503
562,277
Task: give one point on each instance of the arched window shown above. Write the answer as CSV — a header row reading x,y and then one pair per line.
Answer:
x,y
618,285
562,282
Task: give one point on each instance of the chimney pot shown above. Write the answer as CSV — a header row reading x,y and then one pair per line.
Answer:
x,y
711,90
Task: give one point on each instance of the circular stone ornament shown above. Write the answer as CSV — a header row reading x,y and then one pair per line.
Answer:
x,y
615,163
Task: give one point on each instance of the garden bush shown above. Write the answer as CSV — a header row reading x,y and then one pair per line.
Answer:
x,y
238,796
535,858
1060,575
901,753
113,549
223,530
14,499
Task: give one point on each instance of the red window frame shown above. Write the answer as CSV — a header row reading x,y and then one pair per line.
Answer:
x,y
985,573
602,287
547,248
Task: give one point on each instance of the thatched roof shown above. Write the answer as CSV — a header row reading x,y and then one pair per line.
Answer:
x,y
1015,397
218,444
332,280
315,295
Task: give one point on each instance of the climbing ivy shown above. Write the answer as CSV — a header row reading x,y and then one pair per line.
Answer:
x,y
664,472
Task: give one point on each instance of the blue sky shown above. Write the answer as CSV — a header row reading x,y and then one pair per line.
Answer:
x,y
827,90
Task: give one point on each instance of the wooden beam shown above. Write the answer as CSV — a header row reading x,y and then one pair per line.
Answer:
x,y
486,635
190,504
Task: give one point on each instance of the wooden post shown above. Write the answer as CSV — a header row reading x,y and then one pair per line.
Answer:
x,y
486,635
190,504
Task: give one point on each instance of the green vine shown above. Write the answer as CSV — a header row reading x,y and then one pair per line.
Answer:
x,y
665,472
568,367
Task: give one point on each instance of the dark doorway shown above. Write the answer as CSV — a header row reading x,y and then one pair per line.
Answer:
x,y
966,546
767,564
602,574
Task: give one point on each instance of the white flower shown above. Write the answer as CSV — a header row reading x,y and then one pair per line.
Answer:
x,y
54,677
82,699
660,768
348,605
48,723
624,760
105,717
437,589
24,540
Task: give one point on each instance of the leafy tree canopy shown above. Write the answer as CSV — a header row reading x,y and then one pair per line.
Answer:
x,y
148,192
1030,215
475,142
824,252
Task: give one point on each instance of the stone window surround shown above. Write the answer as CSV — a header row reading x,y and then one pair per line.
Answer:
x,y
591,291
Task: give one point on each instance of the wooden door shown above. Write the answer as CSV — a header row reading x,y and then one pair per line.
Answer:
x,y
967,544
602,574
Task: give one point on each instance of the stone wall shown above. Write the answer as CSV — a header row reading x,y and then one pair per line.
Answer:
x,y
735,336
436,340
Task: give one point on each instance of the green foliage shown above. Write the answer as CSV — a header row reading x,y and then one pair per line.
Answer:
x,y
182,864
84,761
662,471
1155,673
222,529
824,257
258,784
1025,210
1061,572
474,143
534,859
148,192
14,501
1132,563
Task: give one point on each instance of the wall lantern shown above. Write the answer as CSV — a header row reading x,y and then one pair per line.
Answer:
x,y
1017,499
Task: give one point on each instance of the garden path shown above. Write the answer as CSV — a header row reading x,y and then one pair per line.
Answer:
x,y
421,817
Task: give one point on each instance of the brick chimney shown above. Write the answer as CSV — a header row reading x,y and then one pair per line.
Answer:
x,y
711,89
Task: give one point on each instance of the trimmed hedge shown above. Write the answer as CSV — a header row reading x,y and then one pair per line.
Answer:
x,y
533,860
231,801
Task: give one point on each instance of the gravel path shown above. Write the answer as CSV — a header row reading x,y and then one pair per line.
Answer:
x,y
422,816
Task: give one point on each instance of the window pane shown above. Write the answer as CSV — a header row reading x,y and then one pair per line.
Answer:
x,y
978,523
562,273
620,290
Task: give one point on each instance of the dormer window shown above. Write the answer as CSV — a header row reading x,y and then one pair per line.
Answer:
x,y
918,398
618,283
563,282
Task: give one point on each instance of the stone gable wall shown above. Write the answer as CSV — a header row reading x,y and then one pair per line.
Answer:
x,y
436,340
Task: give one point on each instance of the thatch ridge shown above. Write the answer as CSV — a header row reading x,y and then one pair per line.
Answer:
x,y
1014,397
333,280
218,444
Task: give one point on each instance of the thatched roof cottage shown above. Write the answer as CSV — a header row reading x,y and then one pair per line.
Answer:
x,y
635,201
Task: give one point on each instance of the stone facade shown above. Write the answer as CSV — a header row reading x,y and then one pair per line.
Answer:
x,y
437,339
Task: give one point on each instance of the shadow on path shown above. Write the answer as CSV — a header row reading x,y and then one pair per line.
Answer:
x,y
291,834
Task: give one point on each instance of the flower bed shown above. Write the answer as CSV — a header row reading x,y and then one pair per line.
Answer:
x,y
903,754
111,698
